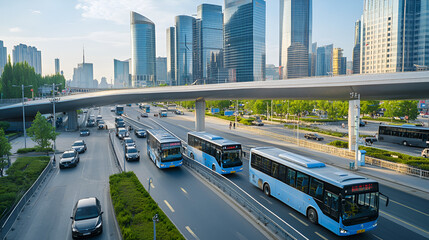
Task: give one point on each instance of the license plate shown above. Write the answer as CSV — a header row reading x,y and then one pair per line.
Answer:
x,y
86,234
172,165
232,171
361,231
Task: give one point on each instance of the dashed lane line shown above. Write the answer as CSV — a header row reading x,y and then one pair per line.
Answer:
x,y
320,235
305,224
183,190
191,232
169,206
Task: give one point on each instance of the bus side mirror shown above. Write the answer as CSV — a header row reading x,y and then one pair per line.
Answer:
x,y
387,199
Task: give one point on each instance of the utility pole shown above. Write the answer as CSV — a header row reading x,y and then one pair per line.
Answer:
x,y
23,112
54,118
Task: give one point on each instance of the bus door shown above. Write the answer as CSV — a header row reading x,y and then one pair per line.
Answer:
x,y
331,205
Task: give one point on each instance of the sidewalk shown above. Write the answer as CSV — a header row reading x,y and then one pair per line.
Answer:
x,y
409,184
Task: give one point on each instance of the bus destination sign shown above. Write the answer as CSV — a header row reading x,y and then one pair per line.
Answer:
x,y
231,147
365,187
174,144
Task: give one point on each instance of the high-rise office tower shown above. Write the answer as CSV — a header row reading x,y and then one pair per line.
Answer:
x,y
3,56
394,36
337,59
171,56
83,75
312,57
244,40
295,37
57,66
208,39
121,72
143,51
184,49
356,48
29,54
161,70
324,60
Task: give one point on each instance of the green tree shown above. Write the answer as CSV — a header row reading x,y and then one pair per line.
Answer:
x,y
41,131
409,109
5,148
392,109
4,125
369,107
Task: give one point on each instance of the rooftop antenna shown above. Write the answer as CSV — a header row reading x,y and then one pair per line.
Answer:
x,y
84,54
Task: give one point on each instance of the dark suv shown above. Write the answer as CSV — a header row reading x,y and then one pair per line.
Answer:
x,y
87,218
79,146
69,159
313,136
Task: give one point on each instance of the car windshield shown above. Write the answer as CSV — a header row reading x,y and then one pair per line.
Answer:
x,y
68,155
360,206
101,122
231,159
141,131
78,144
129,141
132,150
122,131
171,154
86,213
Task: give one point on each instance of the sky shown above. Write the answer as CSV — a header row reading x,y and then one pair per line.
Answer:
x,y
62,28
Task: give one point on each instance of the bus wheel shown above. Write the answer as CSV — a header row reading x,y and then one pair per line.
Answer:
x,y
405,143
267,189
312,215
214,168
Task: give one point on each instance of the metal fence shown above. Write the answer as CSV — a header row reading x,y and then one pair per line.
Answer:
x,y
112,145
7,223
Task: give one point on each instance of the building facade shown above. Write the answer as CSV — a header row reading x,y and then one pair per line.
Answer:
x,y
184,49
356,48
324,60
171,56
143,51
3,56
394,36
337,59
29,54
244,40
57,66
295,37
83,76
161,70
121,71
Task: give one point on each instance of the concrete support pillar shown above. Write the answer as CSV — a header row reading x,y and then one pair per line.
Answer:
x,y
353,124
72,121
200,111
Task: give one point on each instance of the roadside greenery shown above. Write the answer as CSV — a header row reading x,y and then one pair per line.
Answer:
x,y
135,208
244,121
34,149
42,132
418,162
4,125
318,130
5,148
20,176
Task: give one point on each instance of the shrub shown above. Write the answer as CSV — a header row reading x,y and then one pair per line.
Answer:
x,y
318,130
34,149
134,209
339,144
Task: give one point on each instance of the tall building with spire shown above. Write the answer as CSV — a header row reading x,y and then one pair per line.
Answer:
x,y
83,74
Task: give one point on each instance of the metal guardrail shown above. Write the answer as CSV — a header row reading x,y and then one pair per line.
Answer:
x,y
8,222
118,165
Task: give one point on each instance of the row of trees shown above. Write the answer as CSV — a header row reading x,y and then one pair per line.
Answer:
x,y
22,73
334,109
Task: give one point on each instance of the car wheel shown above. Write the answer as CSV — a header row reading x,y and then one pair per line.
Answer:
x,y
424,156
405,143
267,189
312,215
214,168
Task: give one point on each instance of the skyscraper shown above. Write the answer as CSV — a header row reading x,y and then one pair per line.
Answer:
x,y
171,56
83,75
29,54
324,60
394,35
143,51
295,37
356,48
184,49
57,66
121,73
3,56
337,59
208,38
161,70
244,40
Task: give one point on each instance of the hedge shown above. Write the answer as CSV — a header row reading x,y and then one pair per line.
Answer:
x,y
245,121
20,176
384,119
135,208
318,130
418,162
34,149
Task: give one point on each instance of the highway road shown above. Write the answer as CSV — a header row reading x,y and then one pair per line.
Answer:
x,y
402,219
47,216
194,207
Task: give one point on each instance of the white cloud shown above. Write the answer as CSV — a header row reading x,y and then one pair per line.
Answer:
x,y
36,12
15,29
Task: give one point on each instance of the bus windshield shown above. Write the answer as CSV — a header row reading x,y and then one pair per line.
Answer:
x,y
359,207
231,159
171,154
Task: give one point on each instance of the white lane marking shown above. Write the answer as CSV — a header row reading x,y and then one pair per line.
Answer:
x,y
384,199
151,184
409,224
320,235
169,206
191,232
263,197
183,190
377,237
305,224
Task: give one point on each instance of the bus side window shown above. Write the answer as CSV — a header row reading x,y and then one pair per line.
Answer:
x,y
302,182
316,189
291,174
282,173
275,170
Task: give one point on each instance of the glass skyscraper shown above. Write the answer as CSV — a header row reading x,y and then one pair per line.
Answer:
x,y
295,37
29,54
324,60
244,40
171,56
184,49
161,70
57,66
143,63
356,48
121,71
3,56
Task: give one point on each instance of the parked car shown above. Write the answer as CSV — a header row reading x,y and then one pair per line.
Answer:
x,y
87,218
69,158
425,153
101,124
132,154
313,136
121,133
178,112
258,122
129,142
79,146
145,115
140,133
84,132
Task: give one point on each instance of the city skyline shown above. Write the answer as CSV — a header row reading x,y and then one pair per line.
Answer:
x,y
104,29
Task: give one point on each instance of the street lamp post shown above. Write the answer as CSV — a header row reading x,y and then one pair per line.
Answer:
x,y
54,117
23,112
155,220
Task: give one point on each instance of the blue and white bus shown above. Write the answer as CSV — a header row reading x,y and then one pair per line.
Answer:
x,y
164,149
119,110
342,202
221,155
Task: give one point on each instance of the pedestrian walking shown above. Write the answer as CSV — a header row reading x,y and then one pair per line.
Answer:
x,y
234,125
230,125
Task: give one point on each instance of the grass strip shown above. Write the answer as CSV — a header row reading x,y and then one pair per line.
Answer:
x,y
135,208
